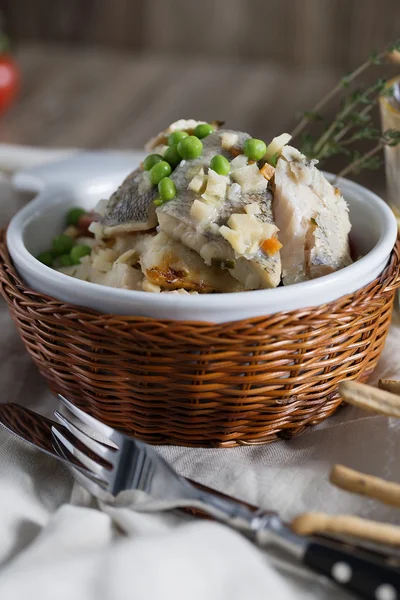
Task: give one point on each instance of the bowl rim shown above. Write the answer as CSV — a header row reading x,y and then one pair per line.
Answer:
x,y
226,301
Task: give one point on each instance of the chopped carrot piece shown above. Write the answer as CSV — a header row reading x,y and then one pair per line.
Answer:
x,y
271,245
267,170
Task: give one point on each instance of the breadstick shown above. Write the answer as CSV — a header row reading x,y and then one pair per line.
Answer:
x,y
311,523
387,492
370,398
390,385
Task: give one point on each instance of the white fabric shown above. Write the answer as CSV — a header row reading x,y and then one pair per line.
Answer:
x,y
55,542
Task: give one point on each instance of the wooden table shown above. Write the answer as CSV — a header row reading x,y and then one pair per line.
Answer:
x,y
96,99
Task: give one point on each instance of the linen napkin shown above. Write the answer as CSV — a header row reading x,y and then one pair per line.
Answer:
x,y
56,542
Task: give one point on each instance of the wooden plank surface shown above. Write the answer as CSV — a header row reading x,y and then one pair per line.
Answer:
x,y
328,33
97,99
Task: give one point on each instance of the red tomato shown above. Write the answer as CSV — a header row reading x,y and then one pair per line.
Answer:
x,y
9,81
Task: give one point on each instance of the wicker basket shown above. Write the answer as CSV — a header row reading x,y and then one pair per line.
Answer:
x,y
201,384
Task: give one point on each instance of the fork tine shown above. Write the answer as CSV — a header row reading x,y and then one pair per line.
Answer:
x,y
105,430
66,456
87,462
91,486
107,453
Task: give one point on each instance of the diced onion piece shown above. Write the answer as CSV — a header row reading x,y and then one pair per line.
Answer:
x,y
276,145
234,238
234,192
252,209
97,229
267,171
250,179
228,140
250,230
203,212
271,245
238,162
198,183
216,187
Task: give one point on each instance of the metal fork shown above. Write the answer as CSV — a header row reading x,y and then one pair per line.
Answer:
x,y
124,463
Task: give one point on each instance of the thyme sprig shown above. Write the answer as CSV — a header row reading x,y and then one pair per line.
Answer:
x,y
352,122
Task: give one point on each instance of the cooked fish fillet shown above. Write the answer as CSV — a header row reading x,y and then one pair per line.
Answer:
x,y
253,271
312,217
131,207
172,266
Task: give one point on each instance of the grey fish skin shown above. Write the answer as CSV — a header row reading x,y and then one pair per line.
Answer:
x,y
258,271
131,208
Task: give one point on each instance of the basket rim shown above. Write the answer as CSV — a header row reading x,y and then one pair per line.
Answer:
x,y
386,282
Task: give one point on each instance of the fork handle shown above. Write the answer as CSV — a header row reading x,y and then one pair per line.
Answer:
x,y
353,571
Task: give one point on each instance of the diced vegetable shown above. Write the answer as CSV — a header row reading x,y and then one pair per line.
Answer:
x,y
159,171
151,160
254,149
78,252
250,179
198,183
203,130
190,147
176,137
228,140
252,209
216,187
74,214
276,146
202,212
46,258
220,164
267,171
239,162
271,246
62,244
234,238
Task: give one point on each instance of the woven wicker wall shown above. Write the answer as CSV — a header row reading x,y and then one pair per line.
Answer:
x,y
334,33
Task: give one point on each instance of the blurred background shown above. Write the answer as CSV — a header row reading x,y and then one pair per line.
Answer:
x,y
111,73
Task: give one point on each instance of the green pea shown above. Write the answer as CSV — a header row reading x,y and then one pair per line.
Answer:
x,y
220,164
46,258
62,244
190,147
159,171
65,260
172,156
78,252
151,160
176,137
74,214
158,202
254,149
203,130
167,189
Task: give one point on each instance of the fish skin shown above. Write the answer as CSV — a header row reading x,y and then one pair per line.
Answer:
x,y
129,208
258,271
312,217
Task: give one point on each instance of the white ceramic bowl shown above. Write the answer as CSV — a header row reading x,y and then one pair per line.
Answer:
x,y
84,179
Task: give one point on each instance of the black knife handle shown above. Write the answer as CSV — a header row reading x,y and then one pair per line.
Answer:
x,y
354,571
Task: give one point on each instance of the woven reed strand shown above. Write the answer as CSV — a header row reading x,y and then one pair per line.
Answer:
x,y
203,384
